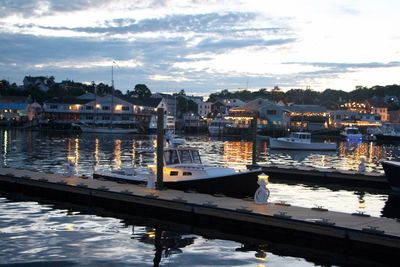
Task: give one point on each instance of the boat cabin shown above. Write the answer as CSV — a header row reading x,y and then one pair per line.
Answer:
x,y
301,137
351,130
181,156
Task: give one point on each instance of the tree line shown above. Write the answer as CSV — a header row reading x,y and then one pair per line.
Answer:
x,y
298,96
310,97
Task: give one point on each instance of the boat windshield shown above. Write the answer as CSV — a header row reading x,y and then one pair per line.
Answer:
x,y
182,156
353,131
196,156
171,157
300,136
185,156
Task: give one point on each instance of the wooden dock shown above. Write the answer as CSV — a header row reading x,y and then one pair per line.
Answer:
x,y
288,222
324,175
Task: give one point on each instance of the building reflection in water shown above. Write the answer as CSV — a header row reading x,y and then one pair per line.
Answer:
x,y
238,152
117,153
351,154
5,147
96,152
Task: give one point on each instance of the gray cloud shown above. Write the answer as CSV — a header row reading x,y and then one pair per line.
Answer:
x,y
27,8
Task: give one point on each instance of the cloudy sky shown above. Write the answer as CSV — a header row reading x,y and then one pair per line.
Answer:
x,y
203,46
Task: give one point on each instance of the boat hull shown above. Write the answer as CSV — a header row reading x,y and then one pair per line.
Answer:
x,y
213,130
387,138
392,172
283,144
107,130
240,184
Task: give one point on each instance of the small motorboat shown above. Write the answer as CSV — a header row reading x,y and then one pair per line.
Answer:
x,y
351,133
299,141
217,126
392,172
184,170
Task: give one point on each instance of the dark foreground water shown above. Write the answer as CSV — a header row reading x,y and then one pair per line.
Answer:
x,y
36,233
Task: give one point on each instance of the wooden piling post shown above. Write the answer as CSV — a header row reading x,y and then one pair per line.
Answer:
x,y
160,148
254,140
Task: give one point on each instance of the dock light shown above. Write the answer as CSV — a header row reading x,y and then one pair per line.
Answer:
x,y
151,234
261,255
263,177
71,160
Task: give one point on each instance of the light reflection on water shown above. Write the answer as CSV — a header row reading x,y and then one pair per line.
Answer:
x,y
40,234
51,151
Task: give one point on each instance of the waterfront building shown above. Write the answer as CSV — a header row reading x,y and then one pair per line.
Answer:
x,y
43,83
15,110
394,116
344,118
270,116
193,122
361,114
218,108
233,103
308,117
103,110
377,106
170,102
204,108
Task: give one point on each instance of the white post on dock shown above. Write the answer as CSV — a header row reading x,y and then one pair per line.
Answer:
x,y
160,148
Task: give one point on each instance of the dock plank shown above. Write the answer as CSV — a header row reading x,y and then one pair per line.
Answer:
x,y
373,230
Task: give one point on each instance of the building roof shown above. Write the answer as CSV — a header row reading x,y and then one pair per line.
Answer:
x,y
377,103
87,96
254,105
67,100
19,106
306,108
145,102
13,99
162,95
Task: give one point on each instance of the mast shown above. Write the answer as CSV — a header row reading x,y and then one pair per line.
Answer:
x,y
95,106
112,94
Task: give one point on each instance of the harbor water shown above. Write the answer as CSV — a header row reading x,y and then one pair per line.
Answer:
x,y
34,232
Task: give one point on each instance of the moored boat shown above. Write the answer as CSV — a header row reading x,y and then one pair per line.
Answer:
x,y
217,126
388,136
107,130
184,170
299,141
351,133
392,172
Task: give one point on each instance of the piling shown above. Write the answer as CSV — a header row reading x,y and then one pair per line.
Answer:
x,y
254,140
160,147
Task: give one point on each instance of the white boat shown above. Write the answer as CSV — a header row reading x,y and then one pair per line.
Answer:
x,y
110,129
299,141
351,133
173,140
217,126
184,170
392,170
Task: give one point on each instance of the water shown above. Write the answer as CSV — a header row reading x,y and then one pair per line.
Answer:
x,y
41,233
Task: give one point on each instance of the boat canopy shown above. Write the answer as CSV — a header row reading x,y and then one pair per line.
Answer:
x,y
351,130
182,156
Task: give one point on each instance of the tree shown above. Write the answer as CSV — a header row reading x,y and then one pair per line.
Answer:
x,y
140,90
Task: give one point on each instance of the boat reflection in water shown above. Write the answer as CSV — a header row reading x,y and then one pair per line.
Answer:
x,y
391,208
166,243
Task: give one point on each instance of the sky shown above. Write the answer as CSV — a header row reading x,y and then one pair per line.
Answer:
x,y
203,46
